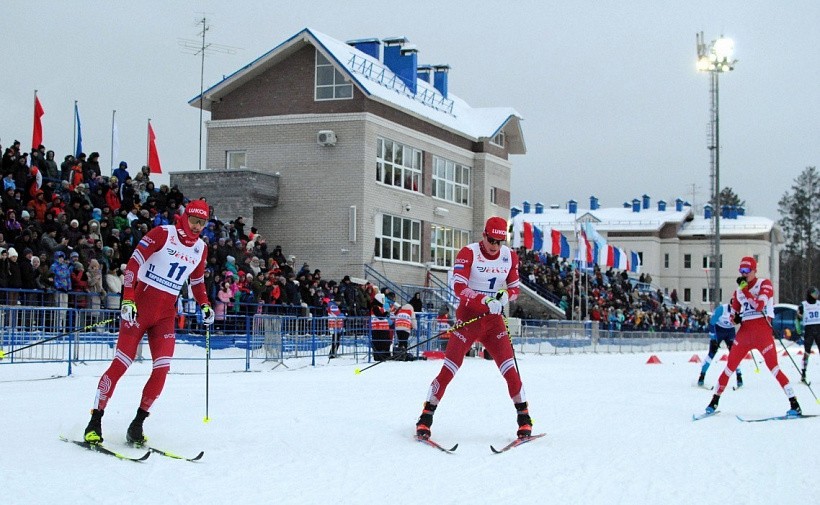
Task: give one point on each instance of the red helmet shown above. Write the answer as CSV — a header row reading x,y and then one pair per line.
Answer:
x,y
196,208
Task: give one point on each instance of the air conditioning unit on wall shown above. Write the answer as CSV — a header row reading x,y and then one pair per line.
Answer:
x,y
326,138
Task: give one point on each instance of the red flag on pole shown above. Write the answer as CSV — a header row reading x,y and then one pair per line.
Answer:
x,y
153,155
37,136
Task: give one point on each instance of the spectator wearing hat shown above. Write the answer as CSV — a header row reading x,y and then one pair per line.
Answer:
x,y
15,280
65,167
121,173
73,233
28,274
38,206
49,166
91,167
79,284
13,228
4,274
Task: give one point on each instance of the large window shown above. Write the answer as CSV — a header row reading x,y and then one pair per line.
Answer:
x,y
236,159
445,242
687,261
398,239
451,181
398,165
330,83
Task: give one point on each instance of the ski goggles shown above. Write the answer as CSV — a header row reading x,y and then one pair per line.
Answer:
x,y
745,270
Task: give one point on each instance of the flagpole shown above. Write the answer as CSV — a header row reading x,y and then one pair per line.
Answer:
x,y
35,120
113,115
74,131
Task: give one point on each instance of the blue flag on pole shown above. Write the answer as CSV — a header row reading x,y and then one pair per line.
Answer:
x,y
79,132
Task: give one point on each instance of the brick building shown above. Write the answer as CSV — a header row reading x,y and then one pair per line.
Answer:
x,y
352,154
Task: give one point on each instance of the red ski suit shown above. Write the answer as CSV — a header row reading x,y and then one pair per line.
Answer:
x,y
756,306
160,250
477,275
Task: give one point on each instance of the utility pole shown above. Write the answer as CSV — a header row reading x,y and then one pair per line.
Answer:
x,y
200,48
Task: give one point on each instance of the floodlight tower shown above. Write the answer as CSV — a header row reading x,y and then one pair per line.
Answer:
x,y
715,58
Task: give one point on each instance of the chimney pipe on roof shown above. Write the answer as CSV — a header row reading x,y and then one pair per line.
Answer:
x,y
572,205
402,60
440,78
370,47
593,203
424,73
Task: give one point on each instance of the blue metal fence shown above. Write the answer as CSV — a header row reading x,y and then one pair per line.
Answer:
x,y
85,335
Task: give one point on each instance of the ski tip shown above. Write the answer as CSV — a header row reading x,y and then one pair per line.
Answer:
x,y
453,448
144,457
496,451
198,456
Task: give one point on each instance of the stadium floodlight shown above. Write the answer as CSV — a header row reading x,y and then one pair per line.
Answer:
x,y
715,58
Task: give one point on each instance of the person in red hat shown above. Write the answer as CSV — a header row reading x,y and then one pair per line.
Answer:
x,y
164,259
481,271
753,304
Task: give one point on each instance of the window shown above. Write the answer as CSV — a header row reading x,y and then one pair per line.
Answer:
x,y
499,139
666,260
330,83
398,165
445,243
687,261
398,239
236,159
708,262
451,181
494,195
687,294
711,293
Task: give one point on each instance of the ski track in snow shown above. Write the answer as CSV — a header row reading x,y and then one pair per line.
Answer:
x,y
618,431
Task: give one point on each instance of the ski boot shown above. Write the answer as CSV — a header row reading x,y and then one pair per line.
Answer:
x,y
803,376
524,420
739,381
701,379
425,421
134,435
713,405
794,408
93,432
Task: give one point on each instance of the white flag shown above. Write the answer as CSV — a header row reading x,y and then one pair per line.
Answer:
x,y
115,145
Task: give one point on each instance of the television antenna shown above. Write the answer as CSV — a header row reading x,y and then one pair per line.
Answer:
x,y
200,48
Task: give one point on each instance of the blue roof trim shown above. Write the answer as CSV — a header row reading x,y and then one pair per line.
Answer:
x,y
503,124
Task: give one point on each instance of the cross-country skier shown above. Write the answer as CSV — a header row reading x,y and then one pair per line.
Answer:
x,y
480,272
163,260
753,302
809,311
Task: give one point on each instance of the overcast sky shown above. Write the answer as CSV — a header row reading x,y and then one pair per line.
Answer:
x,y
611,100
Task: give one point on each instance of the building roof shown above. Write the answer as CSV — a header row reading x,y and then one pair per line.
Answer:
x,y
624,219
740,226
612,219
377,82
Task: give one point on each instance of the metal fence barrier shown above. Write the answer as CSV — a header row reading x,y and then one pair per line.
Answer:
x,y
272,338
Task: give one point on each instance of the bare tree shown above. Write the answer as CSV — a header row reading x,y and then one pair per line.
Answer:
x,y
800,221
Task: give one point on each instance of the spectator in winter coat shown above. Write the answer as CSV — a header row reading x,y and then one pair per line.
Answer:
x,y
15,281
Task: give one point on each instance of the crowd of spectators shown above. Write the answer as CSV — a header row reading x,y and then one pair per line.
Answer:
x,y
610,297
67,231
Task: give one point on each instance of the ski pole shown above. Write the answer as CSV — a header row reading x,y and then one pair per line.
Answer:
x,y
774,334
84,328
798,369
456,327
757,368
207,368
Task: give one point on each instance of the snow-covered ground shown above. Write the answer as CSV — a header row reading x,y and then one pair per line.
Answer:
x,y
618,431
